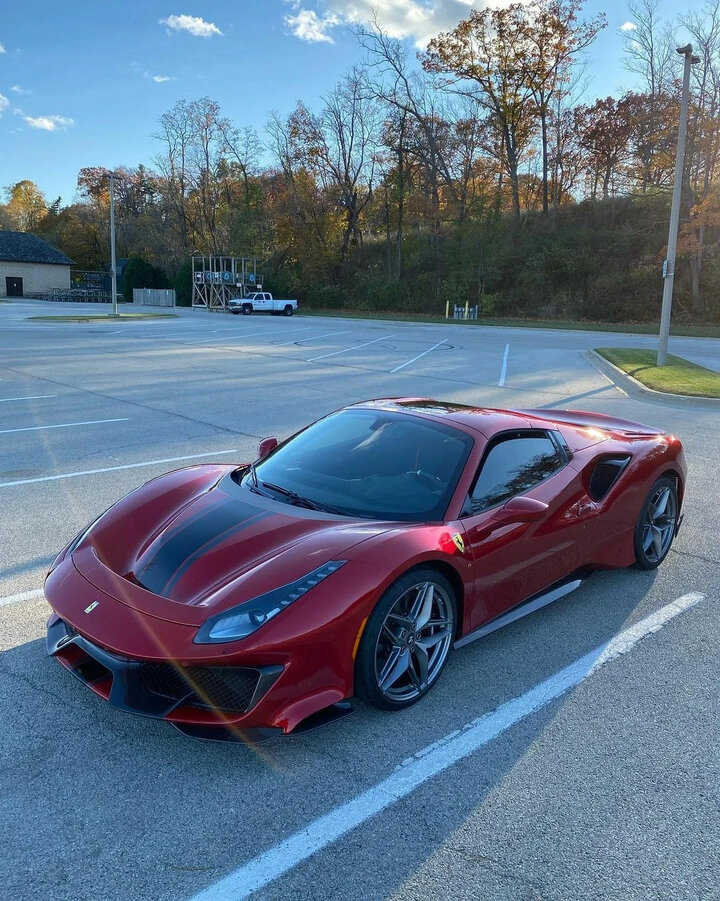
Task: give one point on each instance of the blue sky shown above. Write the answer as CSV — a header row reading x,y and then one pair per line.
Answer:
x,y
83,83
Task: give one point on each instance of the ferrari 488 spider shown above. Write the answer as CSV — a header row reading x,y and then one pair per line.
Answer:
x,y
237,601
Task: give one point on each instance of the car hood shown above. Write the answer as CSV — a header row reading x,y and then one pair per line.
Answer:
x,y
185,551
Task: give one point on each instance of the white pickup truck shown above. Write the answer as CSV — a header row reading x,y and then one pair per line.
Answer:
x,y
260,302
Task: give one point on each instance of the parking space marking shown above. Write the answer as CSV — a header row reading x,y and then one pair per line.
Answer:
x,y
313,338
348,349
92,472
503,371
23,596
229,338
429,350
62,425
6,400
431,761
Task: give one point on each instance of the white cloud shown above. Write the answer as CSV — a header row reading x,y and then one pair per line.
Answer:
x,y
310,27
2,49
628,26
159,79
49,123
4,103
194,25
417,20
18,90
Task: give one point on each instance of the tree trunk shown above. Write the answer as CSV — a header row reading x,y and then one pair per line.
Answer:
x,y
512,172
696,261
401,200
544,138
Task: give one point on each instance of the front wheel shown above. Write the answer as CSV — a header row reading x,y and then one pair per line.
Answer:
x,y
656,525
407,640
247,309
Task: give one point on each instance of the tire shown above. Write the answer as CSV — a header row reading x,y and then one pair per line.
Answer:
x,y
655,528
407,678
247,309
288,311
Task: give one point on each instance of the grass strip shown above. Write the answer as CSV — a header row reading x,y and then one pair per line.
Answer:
x,y
678,377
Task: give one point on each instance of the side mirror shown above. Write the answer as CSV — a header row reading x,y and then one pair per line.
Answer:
x,y
520,509
266,446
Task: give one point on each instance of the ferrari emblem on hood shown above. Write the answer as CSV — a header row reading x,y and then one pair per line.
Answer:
x,y
459,542
91,607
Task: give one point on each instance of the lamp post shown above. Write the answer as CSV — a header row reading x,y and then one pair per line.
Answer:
x,y
669,266
113,269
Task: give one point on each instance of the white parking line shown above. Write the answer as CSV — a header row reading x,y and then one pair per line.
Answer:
x,y
429,350
503,371
62,425
92,472
312,338
23,596
229,338
348,349
430,762
6,400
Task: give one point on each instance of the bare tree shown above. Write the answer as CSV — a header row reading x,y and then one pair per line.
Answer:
x,y
649,53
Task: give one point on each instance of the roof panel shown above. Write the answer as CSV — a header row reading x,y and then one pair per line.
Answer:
x,y
23,247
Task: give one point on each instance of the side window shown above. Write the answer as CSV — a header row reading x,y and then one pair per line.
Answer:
x,y
513,465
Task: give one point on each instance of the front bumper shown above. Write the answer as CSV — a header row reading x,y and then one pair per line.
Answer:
x,y
203,701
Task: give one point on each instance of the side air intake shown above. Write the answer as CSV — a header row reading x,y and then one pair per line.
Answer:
x,y
606,472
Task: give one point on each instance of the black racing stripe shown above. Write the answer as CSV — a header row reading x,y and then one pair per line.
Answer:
x,y
185,542
206,548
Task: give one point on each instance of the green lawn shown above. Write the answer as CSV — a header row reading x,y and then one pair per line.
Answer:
x,y
103,317
633,328
678,377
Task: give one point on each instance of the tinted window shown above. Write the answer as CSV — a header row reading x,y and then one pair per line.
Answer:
x,y
512,466
371,463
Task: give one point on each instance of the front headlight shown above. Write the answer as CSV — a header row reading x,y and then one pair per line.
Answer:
x,y
246,618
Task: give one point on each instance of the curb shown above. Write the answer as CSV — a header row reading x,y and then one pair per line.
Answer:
x,y
637,389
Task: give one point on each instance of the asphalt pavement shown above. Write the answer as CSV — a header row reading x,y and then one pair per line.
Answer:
x,y
609,789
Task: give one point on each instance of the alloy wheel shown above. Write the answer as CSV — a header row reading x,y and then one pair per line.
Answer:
x,y
659,524
414,642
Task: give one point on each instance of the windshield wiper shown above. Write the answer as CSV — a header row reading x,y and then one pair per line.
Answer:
x,y
301,501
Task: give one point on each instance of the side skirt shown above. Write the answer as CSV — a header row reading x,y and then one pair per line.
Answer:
x,y
530,606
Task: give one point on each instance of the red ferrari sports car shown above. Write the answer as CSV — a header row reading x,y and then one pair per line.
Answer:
x,y
239,601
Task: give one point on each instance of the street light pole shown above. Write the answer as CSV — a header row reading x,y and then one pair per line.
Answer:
x,y
669,266
113,269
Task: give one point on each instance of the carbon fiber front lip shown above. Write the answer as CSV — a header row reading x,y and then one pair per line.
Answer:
x,y
127,691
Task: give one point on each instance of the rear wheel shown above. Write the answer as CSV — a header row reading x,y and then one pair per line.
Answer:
x,y
288,311
656,525
407,640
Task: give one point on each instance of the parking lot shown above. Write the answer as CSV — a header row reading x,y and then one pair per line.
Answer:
x,y
610,790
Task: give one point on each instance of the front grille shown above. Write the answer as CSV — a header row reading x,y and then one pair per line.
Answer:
x,y
90,671
208,687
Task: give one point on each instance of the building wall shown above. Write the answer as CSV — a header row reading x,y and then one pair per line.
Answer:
x,y
38,278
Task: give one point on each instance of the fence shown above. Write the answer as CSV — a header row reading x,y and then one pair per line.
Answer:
x,y
154,297
79,295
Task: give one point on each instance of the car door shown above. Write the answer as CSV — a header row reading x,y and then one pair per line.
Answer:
x,y
514,560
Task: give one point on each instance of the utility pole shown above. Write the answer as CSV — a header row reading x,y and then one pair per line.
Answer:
x,y
113,268
669,265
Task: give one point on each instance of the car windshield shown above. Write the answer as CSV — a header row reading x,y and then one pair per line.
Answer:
x,y
368,463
